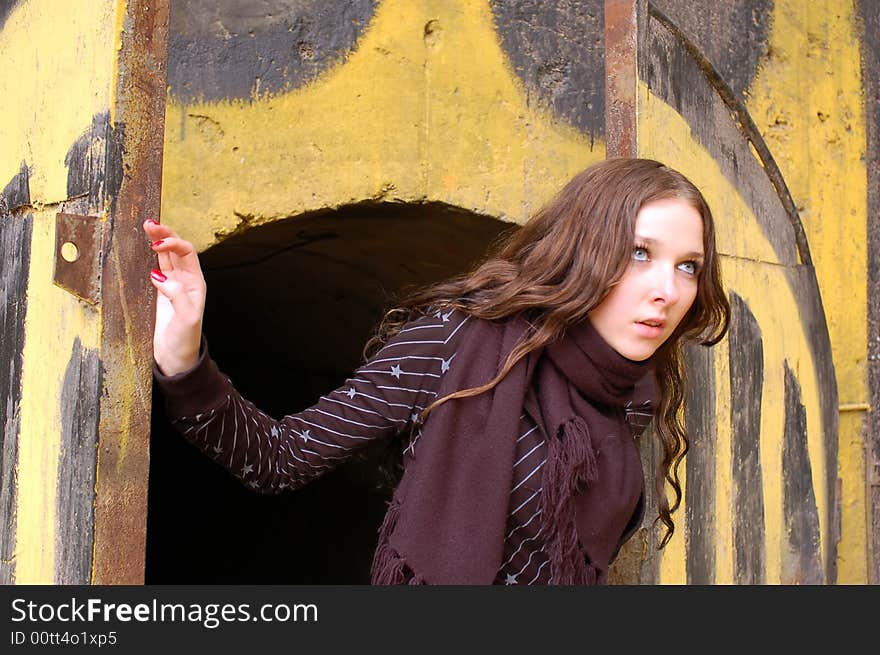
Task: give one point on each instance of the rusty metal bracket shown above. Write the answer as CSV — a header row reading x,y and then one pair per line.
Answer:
x,y
79,244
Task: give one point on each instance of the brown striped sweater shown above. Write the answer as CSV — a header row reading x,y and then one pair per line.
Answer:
x,y
382,398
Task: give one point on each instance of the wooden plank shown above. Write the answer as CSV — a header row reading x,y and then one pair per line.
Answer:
x,y
746,385
802,280
75,496
801,557
680,75
700,489
621,40
16,226
126,338
870,14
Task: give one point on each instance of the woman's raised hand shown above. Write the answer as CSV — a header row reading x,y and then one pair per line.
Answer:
x,y
180,304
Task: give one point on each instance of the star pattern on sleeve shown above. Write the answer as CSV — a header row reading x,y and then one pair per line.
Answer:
x,y
378,401
273,455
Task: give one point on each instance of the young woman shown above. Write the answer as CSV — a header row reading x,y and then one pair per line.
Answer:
x,y
516,388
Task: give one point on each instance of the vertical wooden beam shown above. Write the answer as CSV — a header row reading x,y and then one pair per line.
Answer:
x,y
128,313
700,488
622,18
801,549
746,384
870,15
16,229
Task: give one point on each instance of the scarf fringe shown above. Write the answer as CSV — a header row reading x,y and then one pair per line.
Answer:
x,y
388,567
571,467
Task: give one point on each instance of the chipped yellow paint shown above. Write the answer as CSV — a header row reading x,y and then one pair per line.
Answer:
x,y
54,319
404,118
118,31
760,281
135,393
807,102
852,554
777,346
57,64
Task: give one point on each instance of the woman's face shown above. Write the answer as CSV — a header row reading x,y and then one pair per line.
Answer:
x,y
659,287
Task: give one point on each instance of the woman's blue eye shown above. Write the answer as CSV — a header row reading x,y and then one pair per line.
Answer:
x,y
688,267
640,254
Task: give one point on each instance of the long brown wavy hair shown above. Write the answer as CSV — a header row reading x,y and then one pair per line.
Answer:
x,y
561,264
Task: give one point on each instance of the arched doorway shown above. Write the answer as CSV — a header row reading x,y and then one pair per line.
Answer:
x,y
289,308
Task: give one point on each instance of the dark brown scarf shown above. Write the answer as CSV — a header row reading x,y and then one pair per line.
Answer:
x,y
447,521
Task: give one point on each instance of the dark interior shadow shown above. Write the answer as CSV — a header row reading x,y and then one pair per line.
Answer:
x,y
289,308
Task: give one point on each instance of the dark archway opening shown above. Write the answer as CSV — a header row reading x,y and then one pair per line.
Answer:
x,y
290,306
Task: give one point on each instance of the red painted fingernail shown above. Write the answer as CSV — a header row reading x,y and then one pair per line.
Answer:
x,y
157,275
153,221
157,243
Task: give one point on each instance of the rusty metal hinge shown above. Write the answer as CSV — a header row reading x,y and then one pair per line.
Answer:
x,y
79,244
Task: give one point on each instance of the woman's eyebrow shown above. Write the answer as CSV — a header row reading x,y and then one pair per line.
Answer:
x,y
648,241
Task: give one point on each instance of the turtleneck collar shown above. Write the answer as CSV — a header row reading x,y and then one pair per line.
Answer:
x,y
594,367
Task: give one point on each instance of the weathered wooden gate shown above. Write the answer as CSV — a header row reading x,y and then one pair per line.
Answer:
x,y
761,495
84,88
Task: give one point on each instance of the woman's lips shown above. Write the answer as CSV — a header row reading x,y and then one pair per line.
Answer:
x,y
650,329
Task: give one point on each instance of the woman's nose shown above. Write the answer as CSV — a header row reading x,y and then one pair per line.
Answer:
x,y
665,288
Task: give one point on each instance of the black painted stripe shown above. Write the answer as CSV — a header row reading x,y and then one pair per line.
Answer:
x,y
77,459
6,7
801,555
732,34
94,164
16,195
219,50
803,284
558,51
700,487
746,385
15,256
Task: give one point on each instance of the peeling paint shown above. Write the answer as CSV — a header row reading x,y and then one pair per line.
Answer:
x,y
812,76
75,495
343,138
801,561
769,294
557,49
747,382
700,492
15,241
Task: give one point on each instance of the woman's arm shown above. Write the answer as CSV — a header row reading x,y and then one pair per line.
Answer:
x,y
380,399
